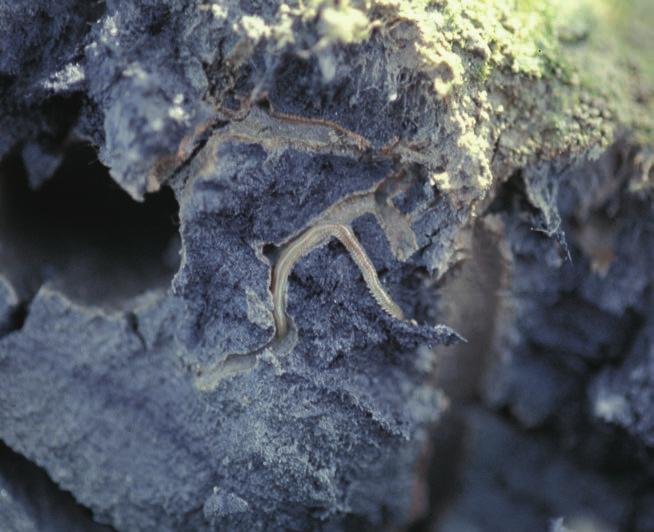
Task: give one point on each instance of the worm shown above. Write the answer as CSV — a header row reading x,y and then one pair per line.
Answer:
x,y
308,241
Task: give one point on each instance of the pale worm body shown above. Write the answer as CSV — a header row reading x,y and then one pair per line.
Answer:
x,y
306,242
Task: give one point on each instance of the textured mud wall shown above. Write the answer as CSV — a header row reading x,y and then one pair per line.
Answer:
x,y
160,158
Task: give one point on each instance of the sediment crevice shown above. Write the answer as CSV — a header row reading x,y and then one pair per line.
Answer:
x,y
82,235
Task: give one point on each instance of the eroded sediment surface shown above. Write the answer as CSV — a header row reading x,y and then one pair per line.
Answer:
x,y
161,159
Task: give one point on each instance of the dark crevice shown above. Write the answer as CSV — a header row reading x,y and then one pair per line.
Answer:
x,y
83,235
29,496
271,252
133,321
18,317
15,313
200,143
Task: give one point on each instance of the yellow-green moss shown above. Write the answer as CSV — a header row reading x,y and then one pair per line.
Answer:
x,y
513,82
601,47
490,86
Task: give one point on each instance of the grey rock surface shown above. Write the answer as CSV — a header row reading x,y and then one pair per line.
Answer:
x,y
122,426
499,484
156,159
31,502
99,383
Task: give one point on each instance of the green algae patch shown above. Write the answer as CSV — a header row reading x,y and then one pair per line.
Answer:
x,y
560,76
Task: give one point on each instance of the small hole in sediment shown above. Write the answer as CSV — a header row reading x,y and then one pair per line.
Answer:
x,y
271,251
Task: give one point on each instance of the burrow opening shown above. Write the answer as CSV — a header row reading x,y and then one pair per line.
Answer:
x,y
83,235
